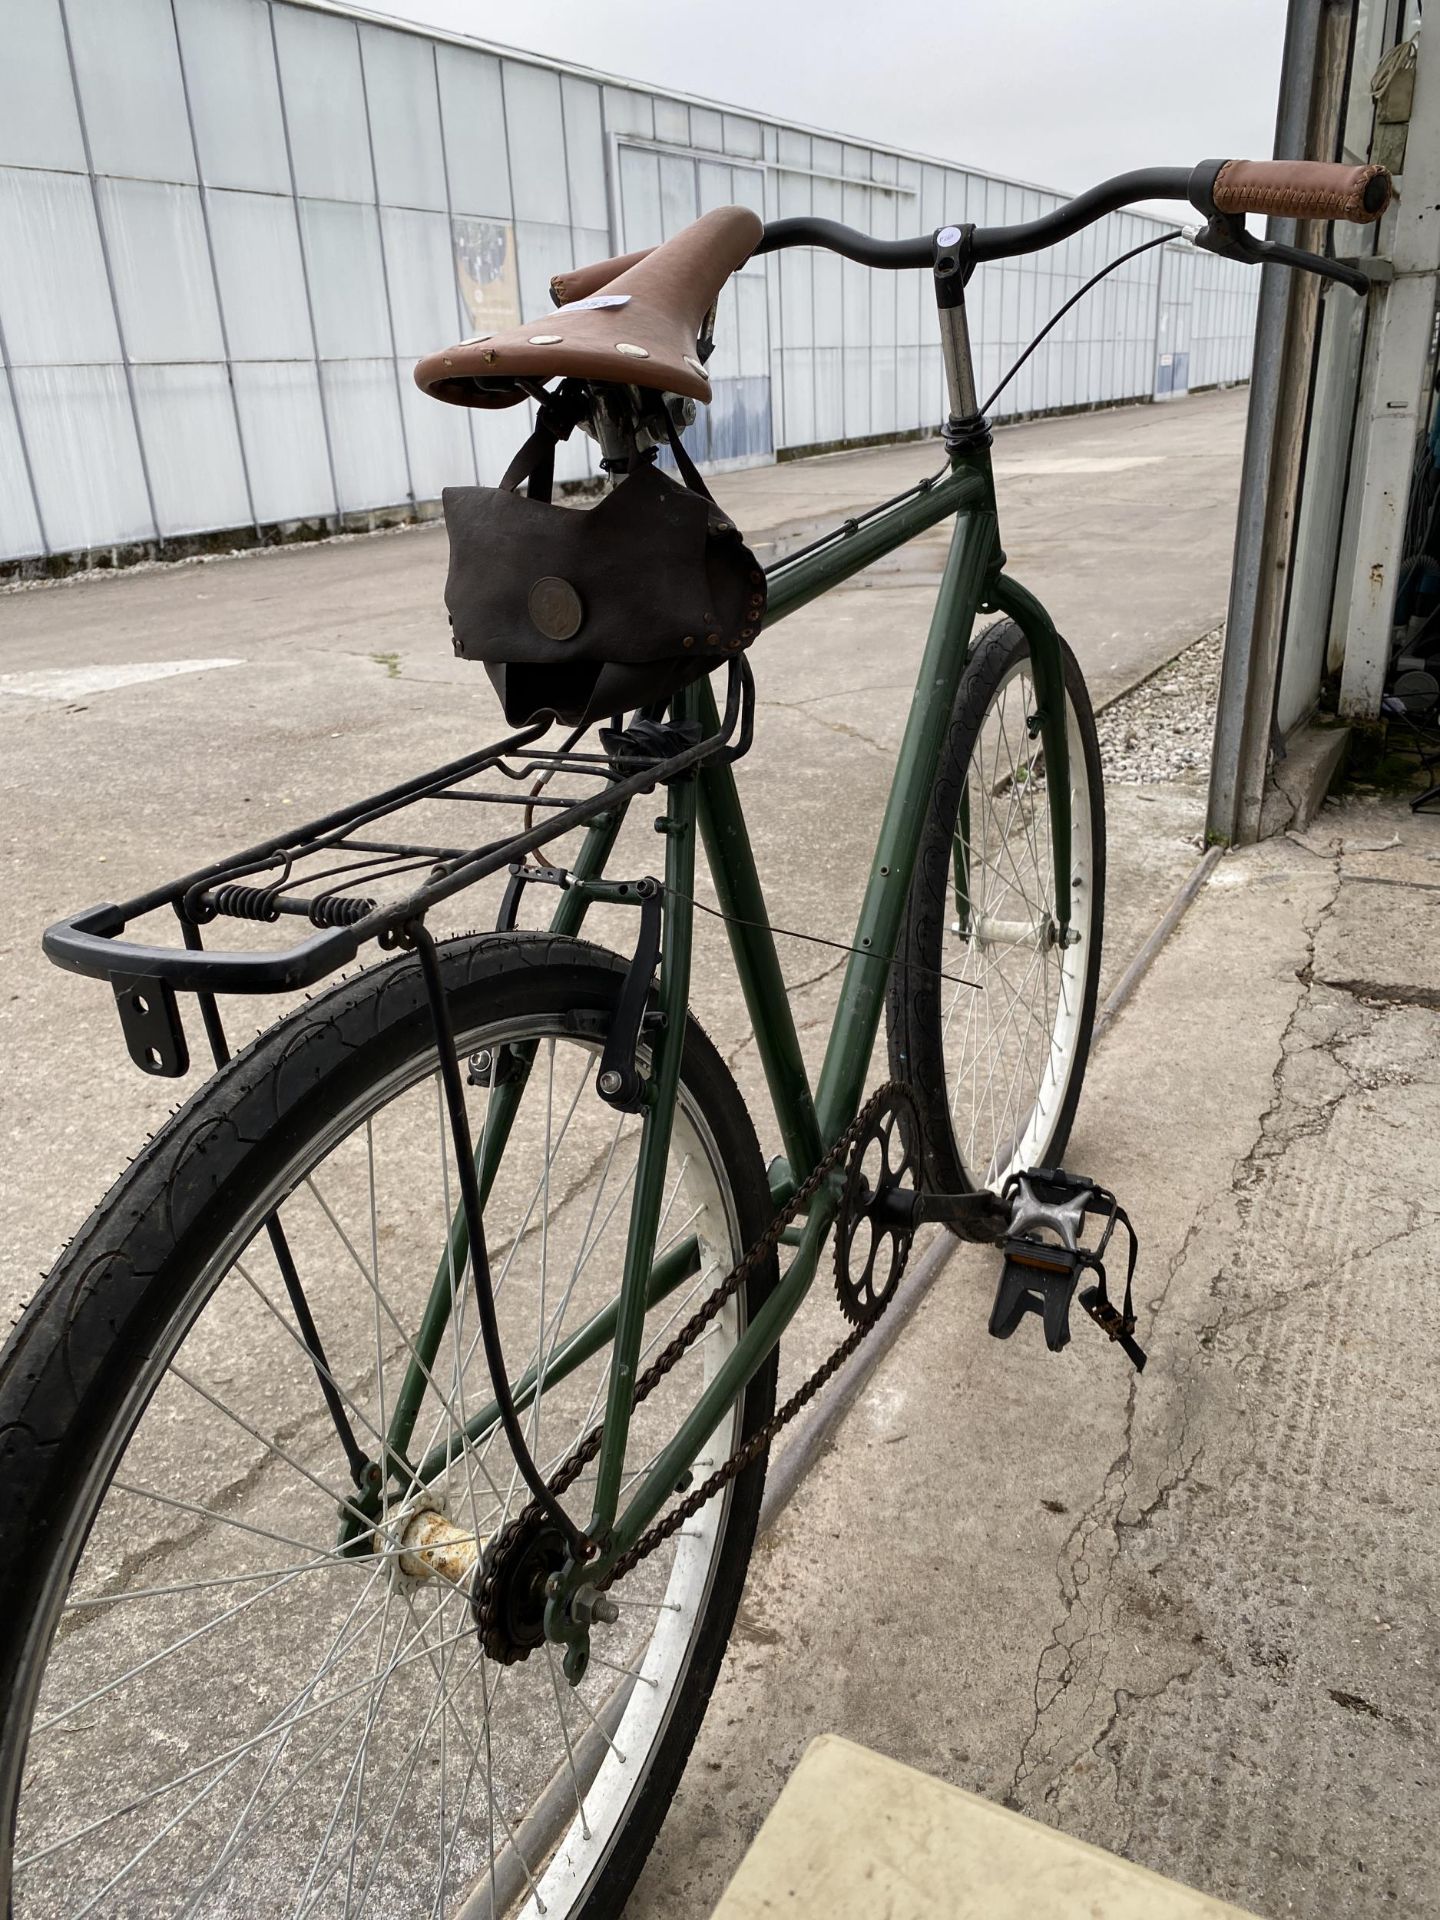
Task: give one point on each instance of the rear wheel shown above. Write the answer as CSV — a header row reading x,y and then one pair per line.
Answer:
x,y
211,1704
990,1012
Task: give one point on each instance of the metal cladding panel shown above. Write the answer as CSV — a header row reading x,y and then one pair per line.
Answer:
x,y
909,397
678,204
324,95
742,137
347,280
627,112
715,185
797,383
283,432
363,408
228,57
420,270
857,392
39,126
58,310
262,277
752,326
639,199
495,434
164,287
404,108
882,390
796,268
438,441
748,187
672,121
829,394
131,93
81,435
584,152
792,149
472,112
20,532
541,253
707,129
536,131
192,448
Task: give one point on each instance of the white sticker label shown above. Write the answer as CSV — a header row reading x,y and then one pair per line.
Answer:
x,y
596,300
947,237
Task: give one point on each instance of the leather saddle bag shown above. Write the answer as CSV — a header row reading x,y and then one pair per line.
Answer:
x,y
580,614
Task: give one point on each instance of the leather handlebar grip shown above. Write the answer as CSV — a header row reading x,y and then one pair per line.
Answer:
x,y
1302,190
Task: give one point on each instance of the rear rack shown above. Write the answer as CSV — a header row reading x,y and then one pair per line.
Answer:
x,y
344,874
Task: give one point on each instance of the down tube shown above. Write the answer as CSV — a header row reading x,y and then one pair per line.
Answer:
x,y
970,562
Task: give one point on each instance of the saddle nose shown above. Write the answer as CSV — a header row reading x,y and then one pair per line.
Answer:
x,y
637,330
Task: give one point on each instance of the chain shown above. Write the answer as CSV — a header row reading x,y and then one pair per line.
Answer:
x,y
574,1464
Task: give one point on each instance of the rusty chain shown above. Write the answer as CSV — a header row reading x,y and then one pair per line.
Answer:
x,y
513,1536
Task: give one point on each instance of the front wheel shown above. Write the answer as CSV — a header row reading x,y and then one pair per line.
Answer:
x,y
232,1678
991,1007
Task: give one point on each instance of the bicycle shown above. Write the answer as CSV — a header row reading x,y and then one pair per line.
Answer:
x,y
310,1597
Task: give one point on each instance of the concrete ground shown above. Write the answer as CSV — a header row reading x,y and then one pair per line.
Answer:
x,y
1187,1616
328,673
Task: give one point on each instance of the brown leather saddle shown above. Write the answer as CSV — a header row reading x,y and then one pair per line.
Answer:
x,y
633,321
580,615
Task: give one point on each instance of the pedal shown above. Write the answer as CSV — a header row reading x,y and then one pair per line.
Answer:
x,y
1045,1258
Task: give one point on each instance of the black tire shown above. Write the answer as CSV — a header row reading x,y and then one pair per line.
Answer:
x,y
78,1369
915,1011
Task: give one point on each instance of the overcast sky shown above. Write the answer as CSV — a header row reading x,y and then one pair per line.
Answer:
x,y
1058,92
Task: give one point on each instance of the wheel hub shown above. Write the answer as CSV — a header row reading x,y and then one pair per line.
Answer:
x,y
423,1543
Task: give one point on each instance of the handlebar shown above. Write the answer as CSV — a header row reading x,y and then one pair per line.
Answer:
x,y
1299,189
1223,190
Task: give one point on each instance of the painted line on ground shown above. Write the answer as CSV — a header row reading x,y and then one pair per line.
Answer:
x,y
78,683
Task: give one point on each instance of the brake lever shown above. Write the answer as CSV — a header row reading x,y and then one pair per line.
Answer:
x,y
1226,234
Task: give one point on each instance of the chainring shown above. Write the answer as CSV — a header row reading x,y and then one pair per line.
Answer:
x,y
873,1234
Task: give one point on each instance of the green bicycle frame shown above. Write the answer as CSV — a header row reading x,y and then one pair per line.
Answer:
x,y
707,806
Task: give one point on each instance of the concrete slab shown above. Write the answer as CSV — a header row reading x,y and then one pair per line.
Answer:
x,y
344,682
1184,1617
854,1834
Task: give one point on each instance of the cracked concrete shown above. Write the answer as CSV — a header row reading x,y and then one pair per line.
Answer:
x,y
1188,1615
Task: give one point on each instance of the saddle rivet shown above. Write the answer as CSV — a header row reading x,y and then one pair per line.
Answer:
x,y
688,641
489,354
545,339
636,353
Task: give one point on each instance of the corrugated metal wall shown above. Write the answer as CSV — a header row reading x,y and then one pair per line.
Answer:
x,y
229,227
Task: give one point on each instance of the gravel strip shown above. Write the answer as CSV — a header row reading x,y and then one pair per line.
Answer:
x,y
1161,730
